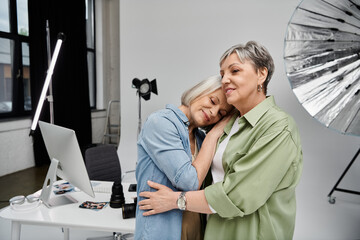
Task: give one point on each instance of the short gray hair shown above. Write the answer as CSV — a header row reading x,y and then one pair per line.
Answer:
x,y
203,88
257,54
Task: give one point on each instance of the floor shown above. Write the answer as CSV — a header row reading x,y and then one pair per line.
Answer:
x,y
21,183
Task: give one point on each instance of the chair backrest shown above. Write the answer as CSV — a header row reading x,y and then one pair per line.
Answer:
x,y
102,163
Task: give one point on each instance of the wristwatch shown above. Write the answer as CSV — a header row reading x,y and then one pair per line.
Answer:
x,y
181,202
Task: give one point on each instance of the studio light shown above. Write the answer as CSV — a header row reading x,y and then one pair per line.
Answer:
x,y
60,40
145,87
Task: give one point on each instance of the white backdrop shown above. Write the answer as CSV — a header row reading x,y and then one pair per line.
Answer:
x,y
180,42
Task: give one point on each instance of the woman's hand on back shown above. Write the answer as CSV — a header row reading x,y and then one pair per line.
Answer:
x,y
218,129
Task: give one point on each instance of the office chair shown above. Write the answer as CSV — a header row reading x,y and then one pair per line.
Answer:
x,y
103,164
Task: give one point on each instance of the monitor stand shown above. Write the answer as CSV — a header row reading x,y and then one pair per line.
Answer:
x,y
48,187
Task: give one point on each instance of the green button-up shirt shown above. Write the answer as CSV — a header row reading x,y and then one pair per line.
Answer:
x,y
262,164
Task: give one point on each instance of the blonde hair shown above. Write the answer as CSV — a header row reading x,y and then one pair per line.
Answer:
x,y
203,88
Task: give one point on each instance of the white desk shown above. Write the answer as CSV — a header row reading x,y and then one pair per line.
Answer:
x,y
71,216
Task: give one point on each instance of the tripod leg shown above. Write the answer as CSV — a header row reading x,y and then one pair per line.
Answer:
x,y
332,199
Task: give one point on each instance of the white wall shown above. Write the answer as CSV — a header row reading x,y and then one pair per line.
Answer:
x,y
107,52
16,147
179,43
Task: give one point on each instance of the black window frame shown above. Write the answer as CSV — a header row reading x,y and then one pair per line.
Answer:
x,y
93,51
18,100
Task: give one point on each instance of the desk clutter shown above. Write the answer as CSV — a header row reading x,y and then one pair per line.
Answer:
x,y
32,201
117,200
96,216
101,188
93,205
63,188
22,203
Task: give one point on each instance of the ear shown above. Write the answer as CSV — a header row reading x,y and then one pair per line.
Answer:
x,y
262,75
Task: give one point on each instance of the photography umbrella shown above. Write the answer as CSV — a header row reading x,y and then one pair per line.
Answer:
x,y
322,62
322,59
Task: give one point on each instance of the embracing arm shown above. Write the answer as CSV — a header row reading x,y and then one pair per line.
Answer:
x,y
269,171
160,140
165,200
203,161
204,158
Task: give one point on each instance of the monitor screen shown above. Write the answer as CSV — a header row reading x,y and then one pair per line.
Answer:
x,y
66,162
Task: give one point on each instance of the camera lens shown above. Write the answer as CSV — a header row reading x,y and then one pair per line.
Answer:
x,y
129,210
117,197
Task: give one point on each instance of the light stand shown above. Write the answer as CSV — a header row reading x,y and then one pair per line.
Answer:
x,y
144,88
336,188
61,38
139,114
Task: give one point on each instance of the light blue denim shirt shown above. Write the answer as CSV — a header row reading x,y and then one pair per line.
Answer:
x,y
164,156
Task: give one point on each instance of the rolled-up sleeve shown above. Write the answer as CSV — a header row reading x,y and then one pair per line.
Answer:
x,y
252,177
160,138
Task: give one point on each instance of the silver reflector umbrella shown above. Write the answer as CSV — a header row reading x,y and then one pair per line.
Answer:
x,y
322,61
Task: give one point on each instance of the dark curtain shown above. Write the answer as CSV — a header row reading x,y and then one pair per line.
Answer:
x,y
70,76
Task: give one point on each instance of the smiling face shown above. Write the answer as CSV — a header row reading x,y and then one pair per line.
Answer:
x,y
240,83
208,109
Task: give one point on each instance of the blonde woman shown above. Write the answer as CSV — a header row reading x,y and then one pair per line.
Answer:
x,y
169,153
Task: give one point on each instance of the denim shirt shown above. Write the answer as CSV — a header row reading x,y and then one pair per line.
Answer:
x,y
164,156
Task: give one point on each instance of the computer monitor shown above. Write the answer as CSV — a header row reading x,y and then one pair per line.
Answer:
x,y
66,162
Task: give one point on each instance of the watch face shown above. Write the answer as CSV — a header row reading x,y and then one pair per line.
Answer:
x,y
181,203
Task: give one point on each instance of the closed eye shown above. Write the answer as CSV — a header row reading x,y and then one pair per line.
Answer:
x,y
222,113
214,100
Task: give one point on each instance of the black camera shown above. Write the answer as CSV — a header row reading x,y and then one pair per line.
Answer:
x,y
117,199
129,209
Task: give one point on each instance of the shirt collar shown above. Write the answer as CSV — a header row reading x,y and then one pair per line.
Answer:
x,y
228,126
258,111
178,113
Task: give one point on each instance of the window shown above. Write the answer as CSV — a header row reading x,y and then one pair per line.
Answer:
x,y
15,94
15,82
90,43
